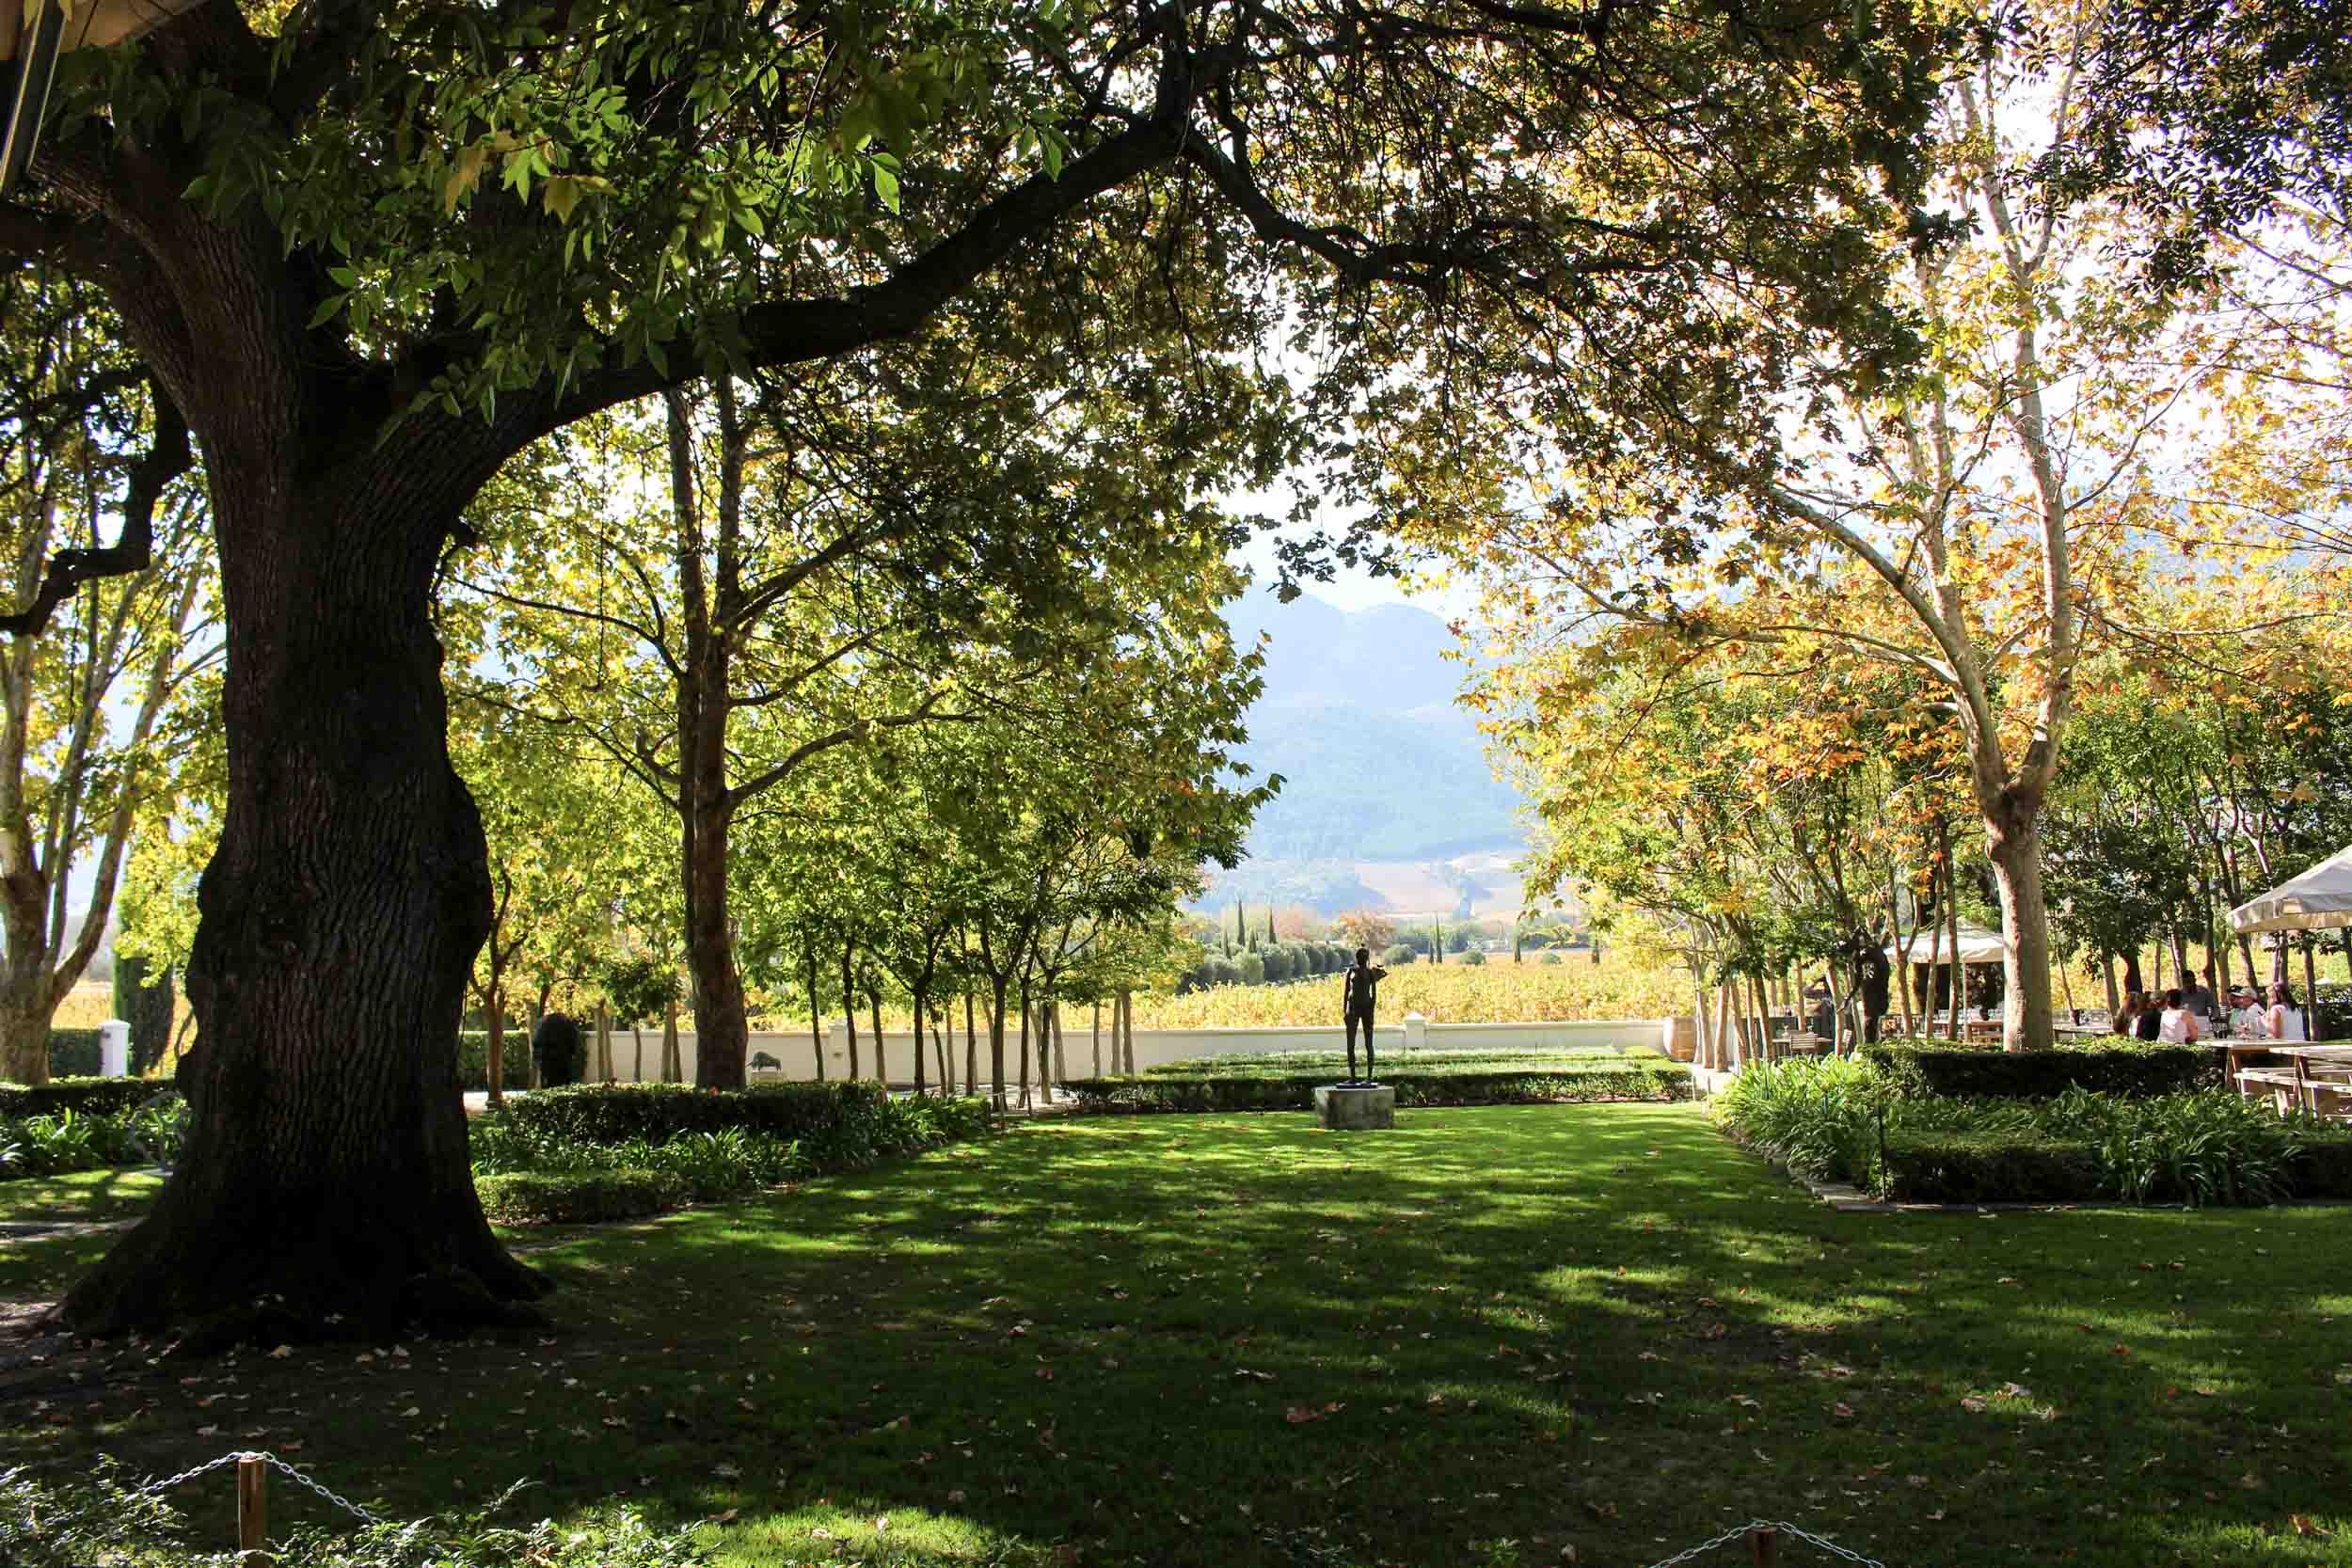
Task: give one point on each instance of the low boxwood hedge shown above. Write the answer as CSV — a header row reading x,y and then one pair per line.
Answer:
x,y
90,1096
615,1113
1963,1073
1959,1167
577,1197
1259,1091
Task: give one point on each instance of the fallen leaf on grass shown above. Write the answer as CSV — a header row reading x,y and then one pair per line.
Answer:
x,y
2303,1524
1299,1415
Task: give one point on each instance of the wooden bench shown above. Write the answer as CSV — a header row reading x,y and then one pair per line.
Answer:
x,y
2284,1084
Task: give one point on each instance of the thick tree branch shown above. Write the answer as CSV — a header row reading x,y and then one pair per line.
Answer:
x,y
133,550
782,332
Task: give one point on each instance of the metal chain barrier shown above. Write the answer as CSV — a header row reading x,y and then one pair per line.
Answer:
x,y
274,1462
1740,1532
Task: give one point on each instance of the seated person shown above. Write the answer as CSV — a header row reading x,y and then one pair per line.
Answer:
x,y
2246,1015
2284,1022
2149,1025
2179,1025
2127,1016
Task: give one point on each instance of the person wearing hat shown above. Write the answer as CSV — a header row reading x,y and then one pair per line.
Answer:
x,y
2245,1014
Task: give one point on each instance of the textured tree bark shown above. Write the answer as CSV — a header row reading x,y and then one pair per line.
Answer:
x,y
2014,843
326,1175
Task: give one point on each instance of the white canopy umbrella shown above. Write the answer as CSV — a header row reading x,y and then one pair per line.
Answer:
x,y
1976,947
2319,899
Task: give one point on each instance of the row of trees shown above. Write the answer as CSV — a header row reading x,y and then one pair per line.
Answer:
x,y
1775,702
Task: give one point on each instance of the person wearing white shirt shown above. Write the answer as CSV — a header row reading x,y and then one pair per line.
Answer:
x,y
2245,1016
2285,1022
2180,1024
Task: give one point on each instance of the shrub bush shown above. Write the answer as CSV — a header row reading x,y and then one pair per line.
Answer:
x,y
1396,954
1280,1092
1968,1073
615,1113
76,1140
1819,1118
723,1161
73,1054
92,1096
1824,1121
579,1196
1473,956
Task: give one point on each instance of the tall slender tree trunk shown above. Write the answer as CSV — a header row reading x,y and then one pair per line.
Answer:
x,y
1098,1037
2106,968
996,1039
971,1048
816,1010
705,703
2028,1023
1023,1051
1951,929
922,1016
494,1042
881,1057
326,1168
849,1010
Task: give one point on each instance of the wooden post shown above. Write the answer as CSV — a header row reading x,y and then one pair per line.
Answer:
x,y
253,1514
1766,1540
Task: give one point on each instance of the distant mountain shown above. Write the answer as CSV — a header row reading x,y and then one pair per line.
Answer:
x,y
1358,718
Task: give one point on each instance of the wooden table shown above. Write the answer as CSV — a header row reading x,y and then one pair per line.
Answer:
x,y
2311,1070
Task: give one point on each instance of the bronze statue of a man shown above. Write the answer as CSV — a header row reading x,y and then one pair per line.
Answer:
x,y
1356,994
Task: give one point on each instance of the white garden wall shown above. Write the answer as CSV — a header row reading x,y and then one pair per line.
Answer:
x,y
1154,1047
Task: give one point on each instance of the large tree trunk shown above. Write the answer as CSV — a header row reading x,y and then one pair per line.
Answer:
x,y
2014,842
326,1173
27,1003
722,1031
723,1028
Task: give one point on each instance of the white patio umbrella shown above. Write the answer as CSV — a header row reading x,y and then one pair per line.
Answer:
x,y
1976,947
2320,899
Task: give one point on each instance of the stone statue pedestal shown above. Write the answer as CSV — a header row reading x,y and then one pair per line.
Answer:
x,y
1346,1107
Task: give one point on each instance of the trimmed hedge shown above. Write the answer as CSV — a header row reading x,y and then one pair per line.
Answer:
x,y
578,1196
1261,1092
617,1113
1958,1168
73,1054
87,1096
1959,1072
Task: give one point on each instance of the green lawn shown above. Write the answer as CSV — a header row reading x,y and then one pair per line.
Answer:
x,y
1239,1339
84,1195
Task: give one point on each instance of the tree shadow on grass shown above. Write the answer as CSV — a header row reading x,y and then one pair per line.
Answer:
x,y
1244,1339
